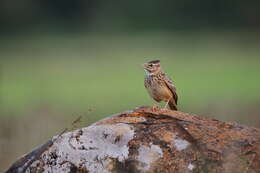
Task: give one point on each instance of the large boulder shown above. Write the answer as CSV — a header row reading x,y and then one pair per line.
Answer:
x,y
149,141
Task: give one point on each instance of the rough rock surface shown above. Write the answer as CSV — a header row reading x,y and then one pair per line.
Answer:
x,y
149,141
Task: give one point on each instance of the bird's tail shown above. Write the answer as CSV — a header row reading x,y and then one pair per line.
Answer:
x,y
172,105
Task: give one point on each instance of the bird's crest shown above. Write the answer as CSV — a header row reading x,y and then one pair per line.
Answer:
x,y
154,62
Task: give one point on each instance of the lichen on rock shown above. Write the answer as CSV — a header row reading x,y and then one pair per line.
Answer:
x,y
148,141
147,155
93,147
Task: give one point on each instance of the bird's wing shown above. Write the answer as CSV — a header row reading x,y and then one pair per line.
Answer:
x,y
171,86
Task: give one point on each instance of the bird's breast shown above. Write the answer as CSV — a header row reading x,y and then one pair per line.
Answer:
x,y
158,90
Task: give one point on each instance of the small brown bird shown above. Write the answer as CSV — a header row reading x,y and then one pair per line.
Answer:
x,y
158,85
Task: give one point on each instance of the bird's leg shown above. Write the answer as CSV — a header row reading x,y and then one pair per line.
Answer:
x,y
167,103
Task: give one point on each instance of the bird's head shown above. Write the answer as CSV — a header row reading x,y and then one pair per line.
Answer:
x,y
152,67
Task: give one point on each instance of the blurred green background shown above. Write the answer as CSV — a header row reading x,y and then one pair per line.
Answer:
x,y
64,59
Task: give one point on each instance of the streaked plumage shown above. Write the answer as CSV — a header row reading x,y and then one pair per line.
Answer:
x,y
158,85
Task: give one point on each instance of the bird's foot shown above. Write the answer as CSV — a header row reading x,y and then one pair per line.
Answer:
x,y
155,108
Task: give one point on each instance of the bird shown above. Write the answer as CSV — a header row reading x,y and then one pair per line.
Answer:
x,y
159,86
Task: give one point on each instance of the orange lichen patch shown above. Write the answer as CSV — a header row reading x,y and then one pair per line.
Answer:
x,y
166,136
174,114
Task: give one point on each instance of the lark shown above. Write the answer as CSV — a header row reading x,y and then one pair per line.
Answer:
x,y
158,85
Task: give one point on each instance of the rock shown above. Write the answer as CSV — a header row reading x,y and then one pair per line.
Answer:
x,y
149,141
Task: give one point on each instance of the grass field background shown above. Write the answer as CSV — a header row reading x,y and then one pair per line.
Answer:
x,y
48,80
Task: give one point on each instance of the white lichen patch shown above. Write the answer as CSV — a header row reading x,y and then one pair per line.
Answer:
x,y
191,166
93,148
180,144
148,155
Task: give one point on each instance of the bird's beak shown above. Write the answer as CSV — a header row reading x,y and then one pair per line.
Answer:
x,y
144,65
